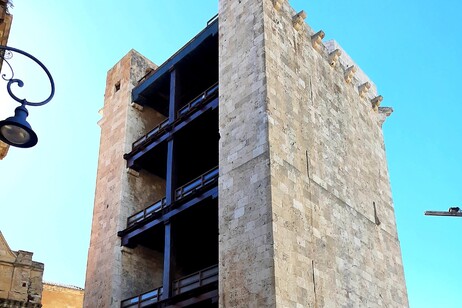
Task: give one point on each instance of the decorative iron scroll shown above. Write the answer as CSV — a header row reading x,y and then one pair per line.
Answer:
x,y
6,53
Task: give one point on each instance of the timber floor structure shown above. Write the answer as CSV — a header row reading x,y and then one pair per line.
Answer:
x,y
183,150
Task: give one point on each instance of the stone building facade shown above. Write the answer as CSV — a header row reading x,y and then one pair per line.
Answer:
x,y
304,215
20,278
61,296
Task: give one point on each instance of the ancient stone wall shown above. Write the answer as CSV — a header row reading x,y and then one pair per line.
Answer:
x,y
60,296
245,220
114,272
305,211
20,278
306,215
3,149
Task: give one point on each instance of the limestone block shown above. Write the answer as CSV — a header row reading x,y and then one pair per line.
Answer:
x,y
334,56
317,38
56,295
327,168
3,149
364,88
349,73
278,4
376,102
299,20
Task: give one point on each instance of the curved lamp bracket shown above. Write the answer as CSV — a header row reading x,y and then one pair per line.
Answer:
x,y
5,55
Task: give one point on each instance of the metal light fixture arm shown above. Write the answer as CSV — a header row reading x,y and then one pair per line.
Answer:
x,y
15,130
19,82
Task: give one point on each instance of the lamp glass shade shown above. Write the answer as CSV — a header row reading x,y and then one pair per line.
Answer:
x,y
16,131
15,134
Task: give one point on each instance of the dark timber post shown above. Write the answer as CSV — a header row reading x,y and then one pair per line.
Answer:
x,y
168,261
171,172
170,189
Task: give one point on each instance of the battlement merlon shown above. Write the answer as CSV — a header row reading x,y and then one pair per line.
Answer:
x,y
359,79
345,61
336,56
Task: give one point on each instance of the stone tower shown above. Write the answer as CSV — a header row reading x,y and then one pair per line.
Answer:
x,y
305,214
112,269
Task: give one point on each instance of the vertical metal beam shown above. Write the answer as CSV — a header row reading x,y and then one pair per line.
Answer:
x,y
173,105
173,101
171,172
170,190
168,262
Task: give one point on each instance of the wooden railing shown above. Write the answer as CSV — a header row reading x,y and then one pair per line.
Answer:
x,y
147,212
196,184
197,102
184,191
202,98
143,300
154,133
196,280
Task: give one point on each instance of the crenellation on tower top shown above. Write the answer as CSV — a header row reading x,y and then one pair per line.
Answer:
x,y
333,52
298,20
334,56
364,88
376,102
316,39
278,4
346,62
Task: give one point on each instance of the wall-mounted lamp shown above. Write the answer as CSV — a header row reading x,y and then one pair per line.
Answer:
x,y
15,130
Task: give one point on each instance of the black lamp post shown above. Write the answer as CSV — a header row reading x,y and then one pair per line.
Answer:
x,y
15,130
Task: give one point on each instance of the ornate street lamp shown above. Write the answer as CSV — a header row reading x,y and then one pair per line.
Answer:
x,y
15,130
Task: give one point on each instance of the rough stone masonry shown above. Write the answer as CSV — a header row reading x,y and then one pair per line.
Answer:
x,y
306,216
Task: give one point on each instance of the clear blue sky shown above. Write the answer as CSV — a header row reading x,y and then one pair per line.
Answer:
x,y
410,49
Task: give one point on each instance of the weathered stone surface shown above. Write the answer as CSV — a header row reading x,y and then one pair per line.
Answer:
x,y
306,214
113,272
5,26
3,149
305,210
246,263
20,278
61,296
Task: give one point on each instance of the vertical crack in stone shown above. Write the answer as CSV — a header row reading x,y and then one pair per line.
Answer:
x,y
314,285
307,165
377,221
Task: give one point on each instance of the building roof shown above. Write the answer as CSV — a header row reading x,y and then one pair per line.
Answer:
x,y
67,286
6,254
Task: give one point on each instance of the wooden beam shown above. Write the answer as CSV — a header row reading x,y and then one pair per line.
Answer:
x,y
168,262
171,176
171,164
174,95
129,235
212,296
210,31
170,191
134,156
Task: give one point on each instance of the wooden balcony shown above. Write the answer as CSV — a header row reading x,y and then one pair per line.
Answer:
x,y
191,286
208,99
205,180
144,300
196,280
